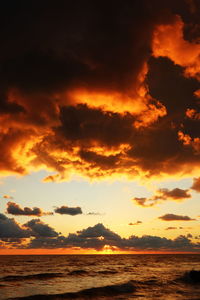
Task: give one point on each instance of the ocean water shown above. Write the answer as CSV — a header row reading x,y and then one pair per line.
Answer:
x,y
149,276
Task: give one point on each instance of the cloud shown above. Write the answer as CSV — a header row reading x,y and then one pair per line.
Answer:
x,y
169,42
142,201
15,209
136,223
36,234
155,242
172,217
196,185
161,195
95,237
189,235
40,229
7,197
94,214
175,194
99,230
98,236
9,228
171,228
56,93
66,210
52,178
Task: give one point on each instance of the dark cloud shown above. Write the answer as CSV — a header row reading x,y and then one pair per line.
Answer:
x,y
144,202
155,242
189,235
9,228
136,223
98,236
175,194
40,229
107,101
66,210
95,237
172,217
196,185
163,71
161,195
81,124
39,235
15,209
99,230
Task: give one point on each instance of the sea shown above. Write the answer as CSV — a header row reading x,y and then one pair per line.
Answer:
x,y
137,276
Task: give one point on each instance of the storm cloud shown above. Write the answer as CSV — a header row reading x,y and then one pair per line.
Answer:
x,y
96,89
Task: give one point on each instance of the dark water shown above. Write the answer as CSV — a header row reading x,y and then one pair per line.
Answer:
x,y
99,276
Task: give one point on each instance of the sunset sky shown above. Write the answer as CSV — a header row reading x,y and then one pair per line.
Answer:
x,y
99,126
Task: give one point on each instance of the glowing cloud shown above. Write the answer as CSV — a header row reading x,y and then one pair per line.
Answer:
x,y
162,195
169,42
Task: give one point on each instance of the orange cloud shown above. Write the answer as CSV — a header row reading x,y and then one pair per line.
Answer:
x,y
7,197
88,106
197,93
196,185
192,114
187,140
169,42
162,195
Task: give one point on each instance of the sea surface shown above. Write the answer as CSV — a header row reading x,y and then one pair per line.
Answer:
x,y
144,276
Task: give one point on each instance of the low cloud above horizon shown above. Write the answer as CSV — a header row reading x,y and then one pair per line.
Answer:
x,y
36,234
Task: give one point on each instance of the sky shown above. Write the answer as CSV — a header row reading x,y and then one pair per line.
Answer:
x,y
99,126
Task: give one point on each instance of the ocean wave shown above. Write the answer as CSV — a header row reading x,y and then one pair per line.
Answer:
x,y
39,276
107,272
78,272
92,293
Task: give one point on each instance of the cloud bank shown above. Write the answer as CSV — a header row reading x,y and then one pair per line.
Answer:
x,y
36,235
